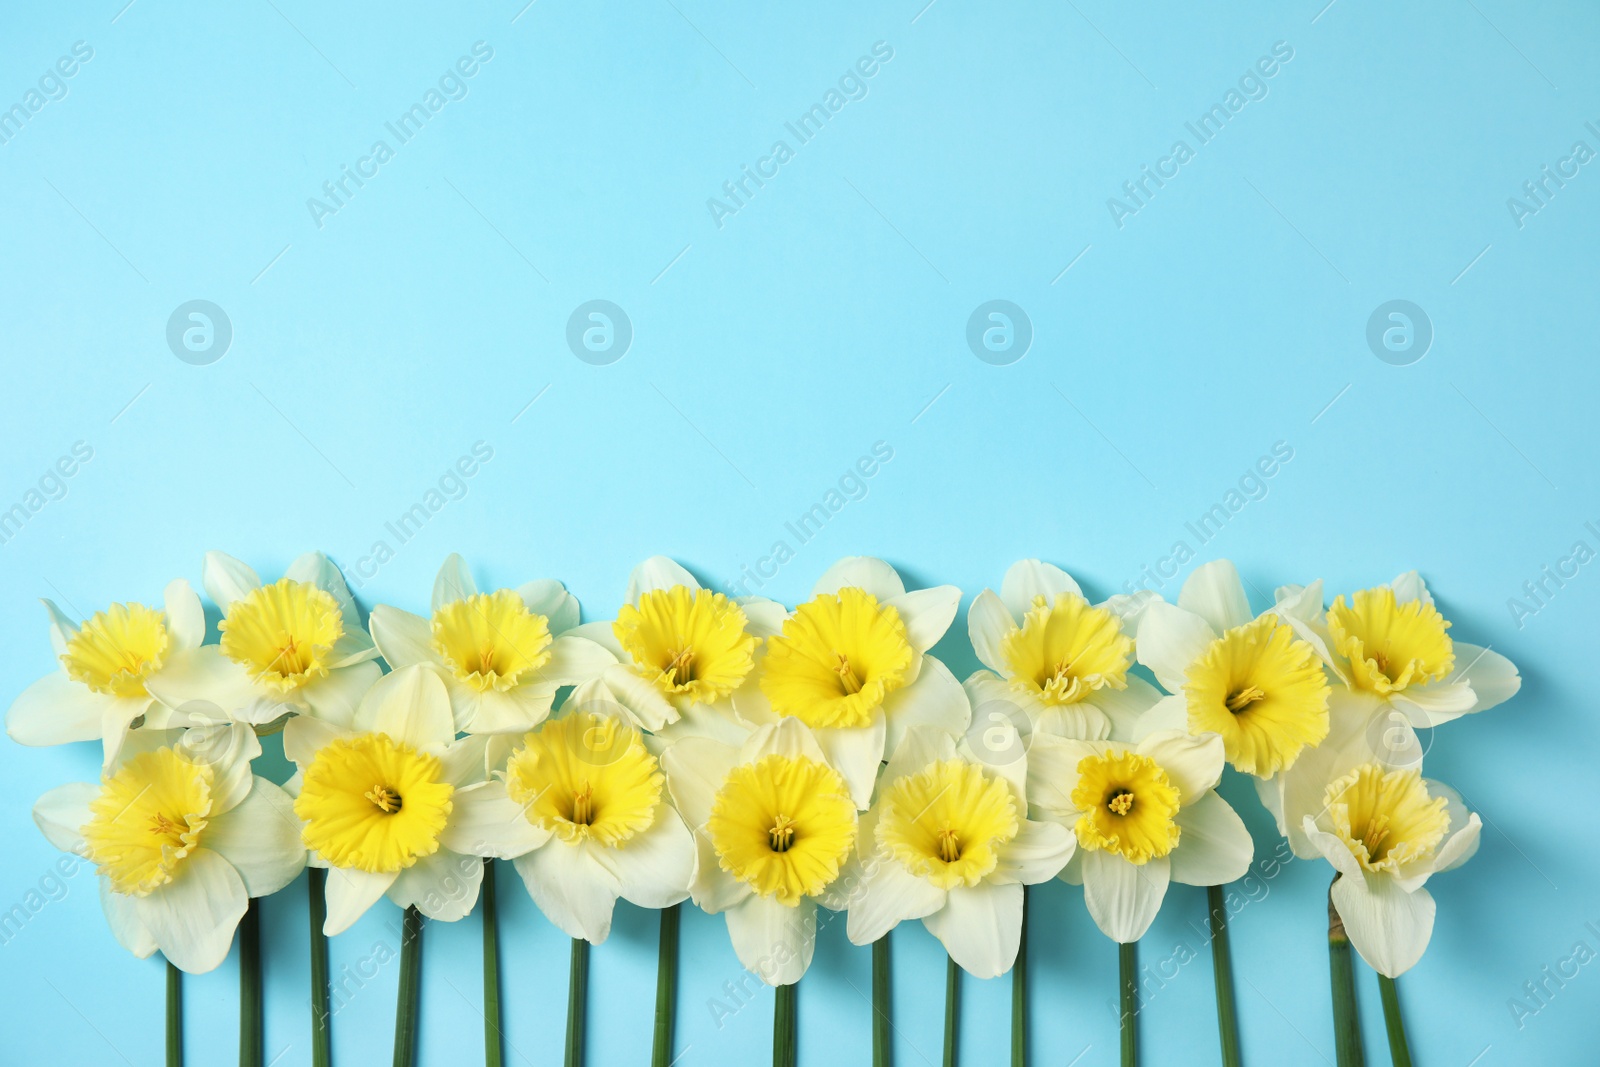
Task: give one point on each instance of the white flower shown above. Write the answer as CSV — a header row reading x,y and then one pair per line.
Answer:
x,y
377,800
1144,816
182,834
948,841
581,811
1387,832
502,655
774,823
293,647
107,666
1061,659
852,664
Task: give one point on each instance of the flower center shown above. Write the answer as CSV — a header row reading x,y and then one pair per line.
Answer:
x,y
373,803
1128,806
282,633
491,640
586,776
147,819
688,642
116,650
783,826
1264,690
1066,650
839,655
946,823
1386,818
1391,645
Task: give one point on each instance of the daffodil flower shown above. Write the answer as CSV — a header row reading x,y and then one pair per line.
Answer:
x,y
582,813
1387,832
681,651
181,834
948,841
502,655
774,823
107,666
1395,670
1250,679
377,800
852,664
295,646
1144,815
1059,658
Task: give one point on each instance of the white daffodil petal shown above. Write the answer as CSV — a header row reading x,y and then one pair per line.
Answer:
x,y
574,660
1126,708
403,639
484,821
1410,586
934,699
601,633
1331,848
1053,771
260,837
1168,713
55,710
350,893
336,697
204,676
62,629
695,769
1123,897
192,917
763,617
1387,925
927,613
304,737
980,927
1215,847
1194,764
888,895
453,582
550,598
186,618
1170,639
786,737
657,572
410,705
1460,846
62,813
773,940
443,886
228,750
654,868
226,579
123,918
1036,854
574,891
516,711
1492,677
989,623
465,761
1215,593
1028,579
863,572
714,890
642,699
855,752
921,746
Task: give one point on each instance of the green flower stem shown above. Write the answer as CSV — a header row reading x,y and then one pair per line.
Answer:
x,y
1222,973
321,1011
1398,1050
784,1010
1128,980
250,1042
666,987
174,1016
577,1001
952,1010
405,1011
1341,969
491,970
882,1055
1019,993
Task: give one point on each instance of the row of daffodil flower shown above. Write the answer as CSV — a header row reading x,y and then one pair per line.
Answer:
x,y
759,761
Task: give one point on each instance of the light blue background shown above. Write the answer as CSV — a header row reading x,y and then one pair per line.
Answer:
x,y
829,313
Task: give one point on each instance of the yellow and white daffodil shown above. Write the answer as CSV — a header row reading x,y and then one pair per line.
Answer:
x,y
377,799
1395,670
774,823
1060,659
582,813
948,841
1387,832
107,665
182,834
852,664
295,646
502,655
1250,679
681,650
1144,815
